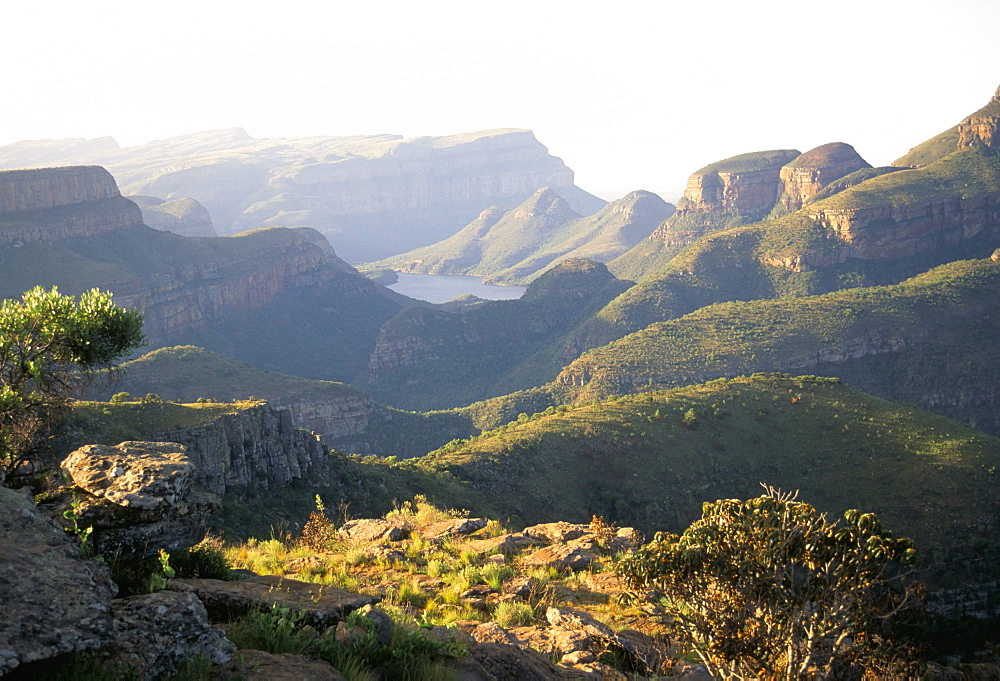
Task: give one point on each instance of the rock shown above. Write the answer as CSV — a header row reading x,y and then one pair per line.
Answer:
x,y
451,635
519,586
634,645
138,498
605,583
510,663
156,633
577,657
692,672
803,177
496,559
383,623
143,475
445,529
258,446
561,558
256,665
507,544
181,216
53,600
556,533
386,553
323,605
372,530
491,632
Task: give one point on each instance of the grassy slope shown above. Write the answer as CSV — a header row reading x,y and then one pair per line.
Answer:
x,y
636,461
944,317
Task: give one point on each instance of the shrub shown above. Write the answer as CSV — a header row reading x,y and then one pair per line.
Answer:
x,y
513,614
118,398
770,588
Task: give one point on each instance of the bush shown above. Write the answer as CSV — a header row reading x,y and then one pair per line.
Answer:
x,y
118,398
770,588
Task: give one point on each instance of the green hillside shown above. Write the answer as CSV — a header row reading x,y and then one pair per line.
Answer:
x,y
651,460
928,340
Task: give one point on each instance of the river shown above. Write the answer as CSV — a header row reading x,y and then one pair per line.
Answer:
x,y
440,288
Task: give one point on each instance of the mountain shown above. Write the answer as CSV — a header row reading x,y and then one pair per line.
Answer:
x,y
372,196
71,228
436,359
650,460
186,217
516,246
738,191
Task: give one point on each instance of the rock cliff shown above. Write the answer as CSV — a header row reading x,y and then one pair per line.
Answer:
x,y
258,446
748,184
183,216
53,204
809,173
982,127
372,195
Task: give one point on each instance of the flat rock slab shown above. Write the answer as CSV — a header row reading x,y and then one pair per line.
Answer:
x,y
323,605
444,529
506,544
561,557
372,530
256,665
53,601
556,533
145,475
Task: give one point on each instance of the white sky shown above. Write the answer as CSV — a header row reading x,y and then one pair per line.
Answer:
x,y
631,95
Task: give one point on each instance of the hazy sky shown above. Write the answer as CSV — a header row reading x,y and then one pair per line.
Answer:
x,y
631,95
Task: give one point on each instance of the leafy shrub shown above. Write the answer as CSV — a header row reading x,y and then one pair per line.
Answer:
x,y
204,561
513,614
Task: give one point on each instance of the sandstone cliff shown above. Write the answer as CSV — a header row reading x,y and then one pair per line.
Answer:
x,y
748,184
372,195
214,292
53,204
982,127
812,171
259,446
183,216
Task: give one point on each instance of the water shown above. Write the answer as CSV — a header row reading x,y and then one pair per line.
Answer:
x,y
440,288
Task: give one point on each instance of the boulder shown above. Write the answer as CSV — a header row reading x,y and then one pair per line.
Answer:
x,y
556,533
510,663
256,665
54,601
139,498
444,529
324,606
373,530
144,475
506,544
491,632
561,558
157,633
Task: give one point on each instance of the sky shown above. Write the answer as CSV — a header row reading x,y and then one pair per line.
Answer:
x,y
631,95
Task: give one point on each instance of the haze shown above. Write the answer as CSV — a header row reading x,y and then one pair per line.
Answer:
x,y
630,94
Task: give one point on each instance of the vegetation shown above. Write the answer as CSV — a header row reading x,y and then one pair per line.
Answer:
x,y
48,343
770,588
755,160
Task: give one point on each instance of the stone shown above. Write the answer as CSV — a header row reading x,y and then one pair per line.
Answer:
x,y
256,665
577,657
519,586
386,553
803,177
560,558
444,529
324,606
451,635
383,623
142,475
573,620
372,530
506,544
156,633
510,663
556,533
54,601
491,632
182,216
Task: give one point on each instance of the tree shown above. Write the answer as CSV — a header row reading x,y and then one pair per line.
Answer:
x,y
49,344
769,588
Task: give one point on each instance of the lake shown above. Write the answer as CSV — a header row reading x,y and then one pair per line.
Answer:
x,y
440,288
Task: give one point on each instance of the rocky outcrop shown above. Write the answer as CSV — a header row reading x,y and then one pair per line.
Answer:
x,y
982,127
814,170
748,184
374,195
182,216
258,446
886,231
54,204
54,601
138,498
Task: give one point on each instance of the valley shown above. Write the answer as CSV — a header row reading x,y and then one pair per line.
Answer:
x,y
511,345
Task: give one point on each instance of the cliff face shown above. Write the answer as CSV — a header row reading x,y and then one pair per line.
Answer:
x,y
259,446
982,127
186,217
749,184
815,169
53,204
372,195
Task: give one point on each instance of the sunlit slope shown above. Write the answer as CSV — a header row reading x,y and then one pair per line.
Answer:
x,y
651,460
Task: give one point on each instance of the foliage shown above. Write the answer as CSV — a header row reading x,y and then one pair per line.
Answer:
x,y
319,533
45,339
202,561
769,587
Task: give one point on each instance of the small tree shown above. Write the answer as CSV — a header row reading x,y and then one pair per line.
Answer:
x,y
769,588
48,344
